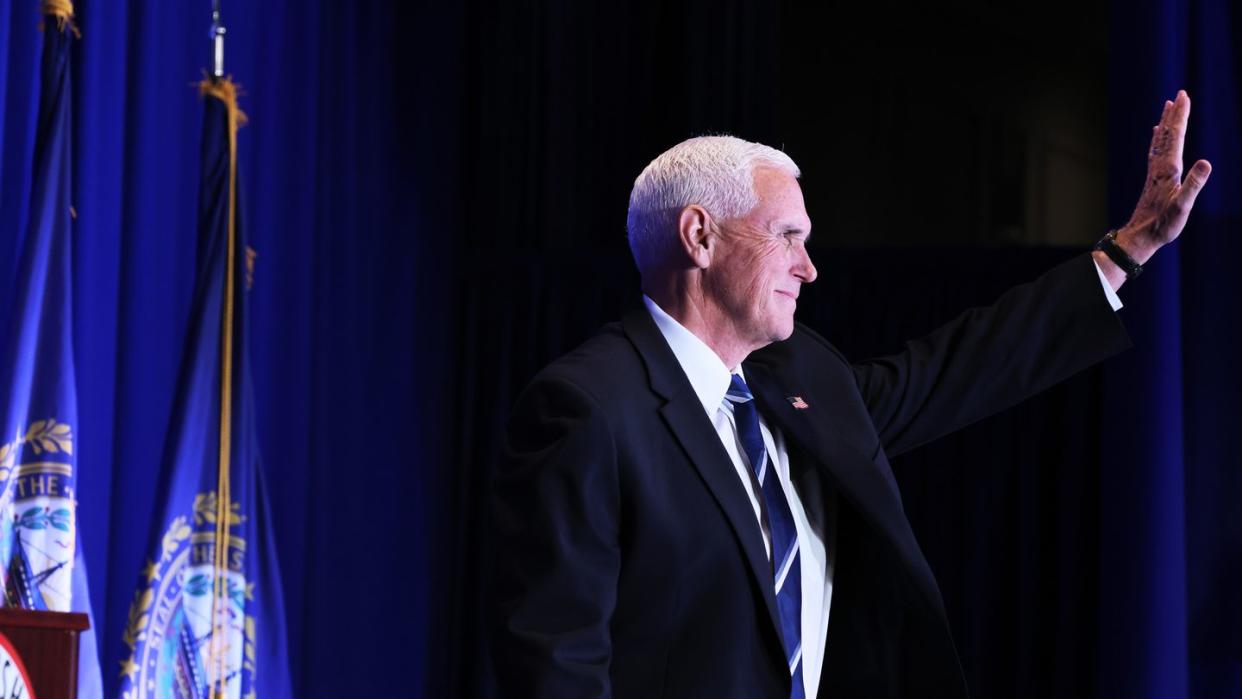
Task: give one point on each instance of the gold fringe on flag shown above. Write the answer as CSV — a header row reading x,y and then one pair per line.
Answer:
x,y
62,12
227,91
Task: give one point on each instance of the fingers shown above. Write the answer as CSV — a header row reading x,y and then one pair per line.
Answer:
x,y
1195,179
1168,139
1159,132
1179,118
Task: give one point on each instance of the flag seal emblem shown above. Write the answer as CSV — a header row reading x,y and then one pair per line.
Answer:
x,y
37,530
175,648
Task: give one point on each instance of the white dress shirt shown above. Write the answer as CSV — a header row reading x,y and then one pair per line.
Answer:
x,y
710,379
1113,299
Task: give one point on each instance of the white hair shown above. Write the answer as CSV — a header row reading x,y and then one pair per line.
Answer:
x,y
714,172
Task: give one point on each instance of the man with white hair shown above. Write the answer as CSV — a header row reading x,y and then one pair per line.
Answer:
x,y
698,500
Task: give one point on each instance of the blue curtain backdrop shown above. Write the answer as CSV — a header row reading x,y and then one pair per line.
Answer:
x,y
347,202
1171,560
400,157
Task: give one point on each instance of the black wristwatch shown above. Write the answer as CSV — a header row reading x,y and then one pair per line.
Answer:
x,y
1108,245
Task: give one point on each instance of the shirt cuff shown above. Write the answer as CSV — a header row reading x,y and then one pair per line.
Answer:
x,y
1113,299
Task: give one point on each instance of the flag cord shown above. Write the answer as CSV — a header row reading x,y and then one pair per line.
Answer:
x,y
223,496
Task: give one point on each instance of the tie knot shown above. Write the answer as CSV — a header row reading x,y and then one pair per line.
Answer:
x,y
738,391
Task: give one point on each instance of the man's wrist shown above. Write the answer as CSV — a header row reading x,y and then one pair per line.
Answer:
x,y
1133,241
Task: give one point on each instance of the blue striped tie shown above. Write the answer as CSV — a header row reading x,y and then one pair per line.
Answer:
x,y
786,570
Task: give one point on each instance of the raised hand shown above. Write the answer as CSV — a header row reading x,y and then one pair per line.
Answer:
x,y
1167,198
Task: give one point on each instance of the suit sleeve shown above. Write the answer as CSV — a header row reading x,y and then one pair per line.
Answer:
x,y
988,359
555,524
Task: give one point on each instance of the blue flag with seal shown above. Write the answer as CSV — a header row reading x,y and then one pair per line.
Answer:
x,y
42,567
207,618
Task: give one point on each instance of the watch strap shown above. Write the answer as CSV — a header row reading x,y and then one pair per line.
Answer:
x,y
1108,245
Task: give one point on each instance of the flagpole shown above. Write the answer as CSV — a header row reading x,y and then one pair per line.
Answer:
x,y
216,34
223,496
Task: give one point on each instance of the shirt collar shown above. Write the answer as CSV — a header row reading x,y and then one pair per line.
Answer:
x,y
708,376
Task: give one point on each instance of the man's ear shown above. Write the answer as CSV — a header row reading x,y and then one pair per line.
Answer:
x,y
694,233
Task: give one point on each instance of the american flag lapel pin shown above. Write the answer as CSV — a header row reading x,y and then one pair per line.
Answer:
x,y
798,403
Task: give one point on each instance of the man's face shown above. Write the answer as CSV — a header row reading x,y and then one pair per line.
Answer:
x,y
762,262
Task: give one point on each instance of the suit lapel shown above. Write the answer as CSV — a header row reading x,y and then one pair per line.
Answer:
x,y
683,413
855,475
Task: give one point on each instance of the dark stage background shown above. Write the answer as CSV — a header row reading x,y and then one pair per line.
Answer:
x,y
437,196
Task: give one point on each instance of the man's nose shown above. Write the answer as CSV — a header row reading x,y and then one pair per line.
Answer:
x,y
804,269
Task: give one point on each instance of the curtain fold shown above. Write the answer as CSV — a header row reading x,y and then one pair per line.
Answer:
x,y
1170,621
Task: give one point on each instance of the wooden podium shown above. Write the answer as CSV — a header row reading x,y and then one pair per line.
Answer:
x,y
47,644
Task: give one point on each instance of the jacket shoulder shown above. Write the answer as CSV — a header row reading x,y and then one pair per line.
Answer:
x,y
605,367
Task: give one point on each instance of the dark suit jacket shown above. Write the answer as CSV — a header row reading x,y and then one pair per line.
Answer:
x,y
629,561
